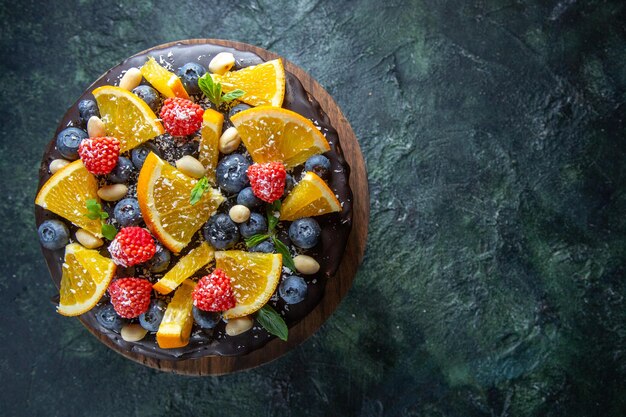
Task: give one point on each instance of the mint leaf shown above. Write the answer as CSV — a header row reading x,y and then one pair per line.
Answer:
x,y
108,231
284,250
272,220
272,322
94,210
256,239
228,97
198,190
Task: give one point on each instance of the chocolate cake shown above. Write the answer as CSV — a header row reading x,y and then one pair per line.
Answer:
x,y
335,227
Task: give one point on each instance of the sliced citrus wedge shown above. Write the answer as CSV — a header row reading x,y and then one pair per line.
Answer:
x,y
85,277
263,84
163,193
310,197
253,276
186,267
66,194
163,80
276,134
211,130
175,327
126,117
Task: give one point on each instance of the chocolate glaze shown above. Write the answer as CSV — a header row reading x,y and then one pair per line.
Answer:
x,y
335,227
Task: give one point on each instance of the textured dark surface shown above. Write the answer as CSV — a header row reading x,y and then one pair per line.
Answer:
x,y
493,284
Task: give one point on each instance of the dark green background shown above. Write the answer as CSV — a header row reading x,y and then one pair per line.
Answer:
x,y
493,284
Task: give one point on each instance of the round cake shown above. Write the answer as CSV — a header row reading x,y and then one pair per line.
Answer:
x,y
201,197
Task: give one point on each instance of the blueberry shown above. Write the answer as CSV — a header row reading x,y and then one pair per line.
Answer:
x,y
319,164
149,95
256,224
267,246
68,140
53,234
86,109
140,153
161,259
238,108
108,318
305,232
289,183
232,174
151,319
292,289
122,171
189,74
221,232
247,198
190,148
205,319
127,212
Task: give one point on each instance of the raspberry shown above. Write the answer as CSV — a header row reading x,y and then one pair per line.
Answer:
x,y
99,155
132,246
181,117
130,296
214,293
267,180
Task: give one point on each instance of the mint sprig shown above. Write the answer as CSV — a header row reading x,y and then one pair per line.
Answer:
x,y
256,239
272,220
284,251
213,91
95,212
198,190
272,322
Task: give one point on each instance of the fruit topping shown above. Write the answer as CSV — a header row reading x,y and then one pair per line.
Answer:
x,y
131,246
53,234
122,171
206,319
108,317
130,296
149,95
305,232
277,134
181,117
267,246
127,212
66,194
310,197
87,109
264,84
184,268
126,117
247,198
68,141
151,319
254,278
256,224
177,322
85,277
161,259
292,289
163,80
189,74
318,164
99,155
231,173
213,292
267,180
140,153
221,232
163,193
211,130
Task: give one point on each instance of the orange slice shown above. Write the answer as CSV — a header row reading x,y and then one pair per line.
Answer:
x,y
186,267
211,130
126,116
310,197
276,134
85,278
264,84
163,80
66,194
253,276
175,327
163,193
